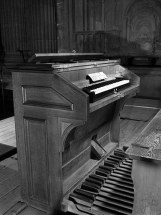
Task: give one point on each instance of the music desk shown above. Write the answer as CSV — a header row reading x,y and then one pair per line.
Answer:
x,y
146,172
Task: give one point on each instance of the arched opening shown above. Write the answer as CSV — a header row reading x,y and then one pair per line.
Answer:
x,y
143,26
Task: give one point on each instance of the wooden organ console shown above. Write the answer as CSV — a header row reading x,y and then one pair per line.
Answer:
x,y
67,126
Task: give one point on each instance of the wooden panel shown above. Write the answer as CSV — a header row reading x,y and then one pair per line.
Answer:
x,y
37,144
138,113
45,96
138,102
78,143
150,78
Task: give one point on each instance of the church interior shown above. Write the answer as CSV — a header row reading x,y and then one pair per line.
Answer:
x,y
80,118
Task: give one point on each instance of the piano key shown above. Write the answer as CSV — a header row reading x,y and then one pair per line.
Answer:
x,y
108,206
103,211
113,160
119,154
116,191
125,166
117,157
102,174
105,169
100,84
109,164
94,181
129,187
110,86
97,177
80,199
89,188
85,193
115,201
122,173
86,210
130,161
127,163
119,188
88,201
120,150
116,197
127,171
91,184
120,179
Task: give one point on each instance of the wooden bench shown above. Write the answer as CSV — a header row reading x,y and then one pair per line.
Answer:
x,y
146,171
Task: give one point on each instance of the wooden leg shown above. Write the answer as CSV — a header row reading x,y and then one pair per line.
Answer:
x,y
115,125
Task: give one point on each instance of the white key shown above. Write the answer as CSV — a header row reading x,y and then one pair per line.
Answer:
x,y
110,86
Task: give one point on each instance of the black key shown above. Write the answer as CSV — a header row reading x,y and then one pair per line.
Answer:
x,y
90,184
102,174
81,197
85,193
94,176
109,169
89,188
121,155
94,181
117,157
115,161
110,164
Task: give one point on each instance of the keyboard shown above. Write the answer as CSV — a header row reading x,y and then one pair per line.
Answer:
x,y
104,88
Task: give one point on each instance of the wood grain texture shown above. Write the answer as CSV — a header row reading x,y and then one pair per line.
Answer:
x,y
7,131
150,137
130,130
9,184
146,179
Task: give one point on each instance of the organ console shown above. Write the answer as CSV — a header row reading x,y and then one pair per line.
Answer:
x,y
67,132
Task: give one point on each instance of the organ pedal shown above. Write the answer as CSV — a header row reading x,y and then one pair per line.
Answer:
x,y
109,190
